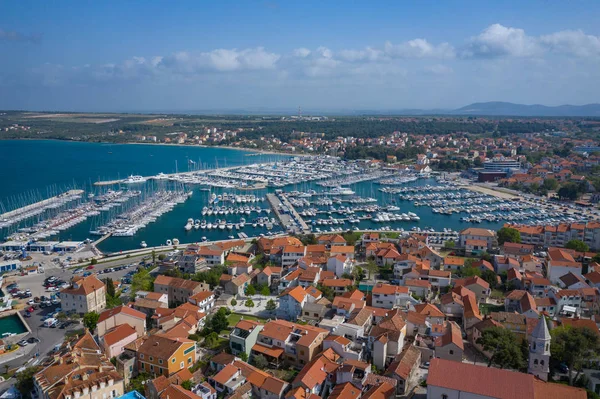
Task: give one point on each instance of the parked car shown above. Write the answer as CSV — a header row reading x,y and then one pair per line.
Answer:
x,y
90,267
23,343
33,340
27,314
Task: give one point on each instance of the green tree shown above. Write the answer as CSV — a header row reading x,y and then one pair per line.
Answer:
x,y
271,305
25,381
577,245
90,321
327,292
244,356
250,290
187,384
508,234
505,349
574,346
138,383
233,302
219,321
550,184
142,281
568,191
153,257
490,277
371,268
265,291
162,257
110,287
94,261
260,362
449,244
249,303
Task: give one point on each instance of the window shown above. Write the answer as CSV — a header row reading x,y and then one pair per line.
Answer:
x,y
151,358
189,360
181,365
535,362
173,360
159,361
151,367
541,362
301,353
141,355
444,396
451,352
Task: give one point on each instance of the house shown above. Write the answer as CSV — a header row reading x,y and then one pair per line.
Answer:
x,y
502,263
345,391
432,314
331,240
178,290
572,281
344,347
546,305
237,285
243,336
338,285
290,254
422,288
450,345
344,250
514,322
315,311
340,265
449,379
205,300
84,295
475,247
477,332
476,284
403,369
560,262
474,233
386,339
516,250
115,339
111,318
78,369
593,279
390,296
213,254
291,301
314,377
439,278
537,286
453,263
160,355
268,275
283,342
567,301
521,302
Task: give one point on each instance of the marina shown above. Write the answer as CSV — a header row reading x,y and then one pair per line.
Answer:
x,y
290,198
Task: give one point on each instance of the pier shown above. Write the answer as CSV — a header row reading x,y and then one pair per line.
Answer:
x,y
287,219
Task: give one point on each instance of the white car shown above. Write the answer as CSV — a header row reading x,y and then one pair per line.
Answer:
x,y
30,302
52,289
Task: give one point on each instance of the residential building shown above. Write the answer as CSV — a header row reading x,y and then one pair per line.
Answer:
x,y
84,295
452,380
178,290
450,345
205,300
243,336
78,370
114,340
390,296
474,233
111,318
160,355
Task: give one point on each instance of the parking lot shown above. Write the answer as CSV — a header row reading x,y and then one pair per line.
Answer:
x,y
34,284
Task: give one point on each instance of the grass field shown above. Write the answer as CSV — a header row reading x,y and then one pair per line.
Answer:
x,y
235,317
487,308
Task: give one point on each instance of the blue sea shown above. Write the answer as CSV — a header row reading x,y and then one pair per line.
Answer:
x,y
42,168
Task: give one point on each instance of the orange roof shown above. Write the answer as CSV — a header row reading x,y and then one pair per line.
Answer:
x,y
273,352
84,286
428,309
119,333
454,261
202,295
225,374
452,335
121,309
336,282
341,249
388,289
296,292
345,391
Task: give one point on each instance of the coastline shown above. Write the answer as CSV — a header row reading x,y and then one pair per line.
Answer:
x,y
249,150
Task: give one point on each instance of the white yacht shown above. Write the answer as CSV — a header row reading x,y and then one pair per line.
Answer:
x,y
189,224
340,191
197,224
222,225
161,176
203,224
134,179
143,244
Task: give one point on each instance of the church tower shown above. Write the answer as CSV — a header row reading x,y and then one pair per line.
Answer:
x,y
539,350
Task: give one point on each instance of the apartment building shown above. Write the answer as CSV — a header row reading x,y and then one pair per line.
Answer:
x,y
389,296
178,290
160,355
84,295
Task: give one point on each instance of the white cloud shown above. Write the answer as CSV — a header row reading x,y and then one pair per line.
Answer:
x,y
498,40
439,69
573,42
419,48
301,52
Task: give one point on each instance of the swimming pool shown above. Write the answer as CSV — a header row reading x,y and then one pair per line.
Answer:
x,y
11,324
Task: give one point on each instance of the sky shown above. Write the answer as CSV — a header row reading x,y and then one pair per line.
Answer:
x,y
280,55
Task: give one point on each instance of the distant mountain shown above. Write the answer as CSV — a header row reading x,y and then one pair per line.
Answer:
x,y
498,108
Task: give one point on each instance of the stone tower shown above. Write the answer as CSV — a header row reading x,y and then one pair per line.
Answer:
x,y
539,350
